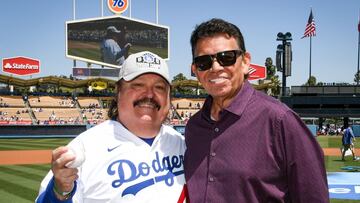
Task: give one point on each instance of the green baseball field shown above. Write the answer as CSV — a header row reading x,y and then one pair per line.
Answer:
x,y
19,183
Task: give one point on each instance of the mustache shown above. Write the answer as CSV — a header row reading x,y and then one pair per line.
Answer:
x,y
148,101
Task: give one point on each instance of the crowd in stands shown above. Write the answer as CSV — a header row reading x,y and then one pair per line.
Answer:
x,y
51,101
145,37
13,114
45,110
93,115
4,104
184,108
14,101
330,129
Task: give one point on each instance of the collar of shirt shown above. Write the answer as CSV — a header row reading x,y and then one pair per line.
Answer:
x,y
121,131
236,107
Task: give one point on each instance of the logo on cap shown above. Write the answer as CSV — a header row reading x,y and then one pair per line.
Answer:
x,y
148,60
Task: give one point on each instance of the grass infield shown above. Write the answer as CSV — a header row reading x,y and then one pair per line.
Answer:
x,y
334,163
20,183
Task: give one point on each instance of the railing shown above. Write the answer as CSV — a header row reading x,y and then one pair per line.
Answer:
x,y
326,90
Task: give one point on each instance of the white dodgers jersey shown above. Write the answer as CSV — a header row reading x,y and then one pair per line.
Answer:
x,y
120,167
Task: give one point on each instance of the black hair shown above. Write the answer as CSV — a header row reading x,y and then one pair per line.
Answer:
x,y
113,108
213,27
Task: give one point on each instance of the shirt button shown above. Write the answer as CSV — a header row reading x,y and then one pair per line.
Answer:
x,y
213,154
211,179
216,129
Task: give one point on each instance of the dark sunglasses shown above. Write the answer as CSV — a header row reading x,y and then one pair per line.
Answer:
x,y
224,58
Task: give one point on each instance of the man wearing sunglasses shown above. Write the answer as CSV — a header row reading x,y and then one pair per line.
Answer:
x,y
245,146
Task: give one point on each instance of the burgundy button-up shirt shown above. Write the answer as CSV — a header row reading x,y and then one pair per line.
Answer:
x,y
258,151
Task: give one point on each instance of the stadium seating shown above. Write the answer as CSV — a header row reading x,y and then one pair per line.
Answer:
x,y
82,110
94,115
11,101
186,107
184,103
11,115
57,115
49,101
89,102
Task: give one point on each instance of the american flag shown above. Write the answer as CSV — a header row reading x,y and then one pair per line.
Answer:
x,y
310,27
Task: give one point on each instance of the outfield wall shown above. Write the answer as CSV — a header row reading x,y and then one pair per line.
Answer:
x,y
356,130
43,131
29,131
312,129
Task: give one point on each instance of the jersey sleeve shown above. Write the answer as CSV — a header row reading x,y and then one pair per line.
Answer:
x,y
46,193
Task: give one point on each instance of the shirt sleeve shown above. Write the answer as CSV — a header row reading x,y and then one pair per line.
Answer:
x,y
46,193
48,196
306,174
351,133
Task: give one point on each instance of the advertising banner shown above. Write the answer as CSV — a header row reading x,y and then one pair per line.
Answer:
x,y
95,72
98,85
21,65
118,6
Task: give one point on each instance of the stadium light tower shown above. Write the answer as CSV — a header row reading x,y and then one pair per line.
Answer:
x,y
102,7
157,11
74,4
286,57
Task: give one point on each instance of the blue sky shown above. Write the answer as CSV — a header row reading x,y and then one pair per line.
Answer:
x,y
36,29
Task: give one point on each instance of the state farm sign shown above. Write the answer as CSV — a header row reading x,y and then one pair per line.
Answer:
x,y
21,65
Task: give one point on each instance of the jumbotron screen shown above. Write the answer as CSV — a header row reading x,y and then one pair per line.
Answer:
x,y
108,41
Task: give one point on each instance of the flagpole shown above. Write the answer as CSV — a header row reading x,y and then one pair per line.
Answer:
x,y
74,16
130,8
310,61
157,11
310,50
358,73
102,8
310,32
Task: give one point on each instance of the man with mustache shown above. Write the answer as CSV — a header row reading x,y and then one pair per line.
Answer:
x,y
133,156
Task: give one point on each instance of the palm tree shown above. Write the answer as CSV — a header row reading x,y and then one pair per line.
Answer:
x,y
311,81
357,77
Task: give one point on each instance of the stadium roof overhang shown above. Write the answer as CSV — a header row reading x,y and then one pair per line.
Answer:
x,y
61,82
65,82
197,84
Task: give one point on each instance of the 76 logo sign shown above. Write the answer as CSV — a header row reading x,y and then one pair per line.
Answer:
x,y
118,6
